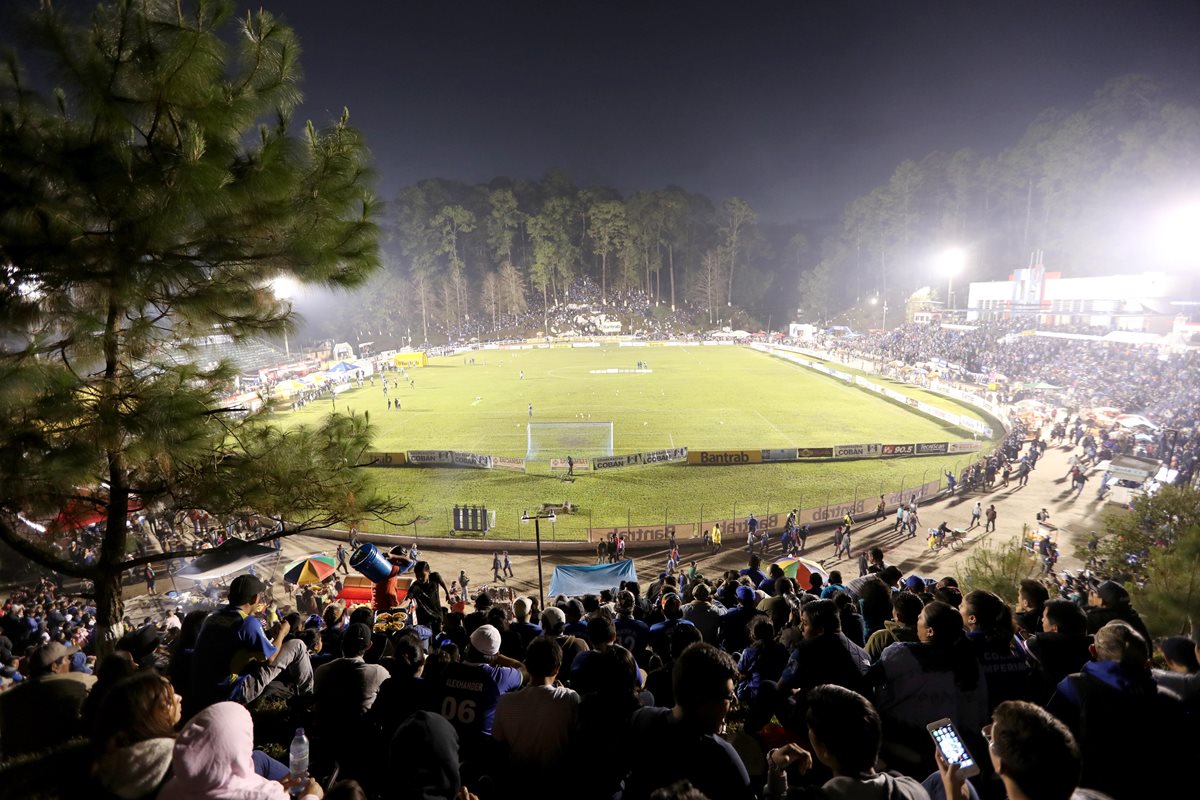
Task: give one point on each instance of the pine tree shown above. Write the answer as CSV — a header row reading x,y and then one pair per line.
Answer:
x,y
153,198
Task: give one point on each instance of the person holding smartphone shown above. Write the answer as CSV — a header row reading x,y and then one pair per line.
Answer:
x,y
1034,754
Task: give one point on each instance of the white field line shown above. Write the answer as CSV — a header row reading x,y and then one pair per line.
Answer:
x,y
772,424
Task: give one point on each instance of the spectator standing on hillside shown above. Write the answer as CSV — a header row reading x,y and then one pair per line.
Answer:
x,y
976,513
991,519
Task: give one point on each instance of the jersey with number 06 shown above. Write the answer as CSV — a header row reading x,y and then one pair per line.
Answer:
x,y
469,694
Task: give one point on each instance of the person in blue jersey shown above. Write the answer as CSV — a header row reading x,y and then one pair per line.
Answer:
x,y
754,571
660,633
734,633
632,633
468,691
234,659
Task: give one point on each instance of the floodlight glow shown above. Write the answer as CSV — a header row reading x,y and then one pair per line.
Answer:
x,y
1179,234
952,260
285,287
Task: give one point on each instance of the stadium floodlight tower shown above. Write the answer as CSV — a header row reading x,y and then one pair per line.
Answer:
x,y
950,262
537,535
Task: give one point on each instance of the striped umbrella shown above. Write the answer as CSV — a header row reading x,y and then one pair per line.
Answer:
x,y
313,569
802,570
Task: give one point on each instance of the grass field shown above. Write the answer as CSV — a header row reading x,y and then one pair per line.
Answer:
x,y
698,397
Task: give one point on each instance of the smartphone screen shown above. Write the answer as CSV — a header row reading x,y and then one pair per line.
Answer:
x,y
952,747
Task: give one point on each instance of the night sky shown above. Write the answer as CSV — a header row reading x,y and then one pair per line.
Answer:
x,y
796,106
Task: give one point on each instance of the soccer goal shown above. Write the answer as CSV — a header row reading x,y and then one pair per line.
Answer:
x,y
548,440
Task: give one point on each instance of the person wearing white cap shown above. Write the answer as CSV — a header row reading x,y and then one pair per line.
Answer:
x,y
470,690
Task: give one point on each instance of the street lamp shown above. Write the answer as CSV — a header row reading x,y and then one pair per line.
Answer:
x,y
951,262
537,535
877,300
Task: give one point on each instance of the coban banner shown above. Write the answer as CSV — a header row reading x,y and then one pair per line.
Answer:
x,y
931,448
635,459
472,460
612,462
424,458
857,450
660,456
723,458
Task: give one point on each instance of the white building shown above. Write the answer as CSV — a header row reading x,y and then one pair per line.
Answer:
x,y
1142,302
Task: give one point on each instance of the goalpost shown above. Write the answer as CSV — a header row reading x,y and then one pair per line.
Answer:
x,y
547,440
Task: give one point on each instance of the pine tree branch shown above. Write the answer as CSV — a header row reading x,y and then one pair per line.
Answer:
x,y
40,555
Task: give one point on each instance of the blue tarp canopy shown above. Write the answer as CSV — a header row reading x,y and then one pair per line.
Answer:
x,y
343,366
591,579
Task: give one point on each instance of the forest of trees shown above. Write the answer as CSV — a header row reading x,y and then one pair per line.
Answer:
x,y
1072,186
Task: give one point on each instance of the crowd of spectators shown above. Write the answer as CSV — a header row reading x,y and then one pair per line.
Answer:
x,y
743,684
582,310
1143,379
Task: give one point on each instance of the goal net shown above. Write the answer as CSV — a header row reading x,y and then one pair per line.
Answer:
x,y
548,440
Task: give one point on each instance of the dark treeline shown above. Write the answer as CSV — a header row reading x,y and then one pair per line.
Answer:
x,y
1079,185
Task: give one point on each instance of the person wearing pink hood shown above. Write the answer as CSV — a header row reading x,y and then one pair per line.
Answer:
x,y
213,761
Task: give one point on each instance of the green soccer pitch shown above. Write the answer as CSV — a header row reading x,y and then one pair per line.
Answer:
x,y
696,397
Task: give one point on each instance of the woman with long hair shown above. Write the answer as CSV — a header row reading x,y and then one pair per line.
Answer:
x,y
992,630
135,735
936,677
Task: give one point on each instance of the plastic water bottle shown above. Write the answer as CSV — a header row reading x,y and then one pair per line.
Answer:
x,y
298,762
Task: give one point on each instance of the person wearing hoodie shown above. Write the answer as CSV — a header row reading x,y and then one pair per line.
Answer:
x,y
902,627
135,735
1062,648
846,733
428,745
213,760
1120,716
1108,601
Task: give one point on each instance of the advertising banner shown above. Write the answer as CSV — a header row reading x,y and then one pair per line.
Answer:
x,y
784,454
387,459
899,449
663,456
814,452
509,463
636,459
857,450
932,448
964,447
426,458
612,462
723,458
560,465
472,460
642,533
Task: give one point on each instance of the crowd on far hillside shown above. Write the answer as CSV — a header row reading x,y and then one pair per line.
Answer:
x,y
1136,379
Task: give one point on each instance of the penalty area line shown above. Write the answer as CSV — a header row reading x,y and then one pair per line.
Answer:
x,y
772,424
